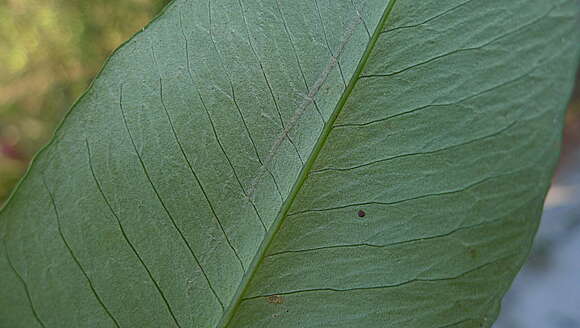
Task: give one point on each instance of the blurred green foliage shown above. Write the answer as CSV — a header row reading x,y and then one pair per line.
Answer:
x,y
49,52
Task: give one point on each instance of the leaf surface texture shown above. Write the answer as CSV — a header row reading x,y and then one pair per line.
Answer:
x,y
305,163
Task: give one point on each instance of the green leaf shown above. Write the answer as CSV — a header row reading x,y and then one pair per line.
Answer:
x,y
305,163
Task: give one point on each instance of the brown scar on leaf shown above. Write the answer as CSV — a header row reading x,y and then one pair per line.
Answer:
x,y
275,299
472,252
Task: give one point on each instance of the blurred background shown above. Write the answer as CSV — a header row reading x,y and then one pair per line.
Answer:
x,y
49,52
51,49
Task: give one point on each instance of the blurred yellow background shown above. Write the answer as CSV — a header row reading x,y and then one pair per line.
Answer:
x,y
49,52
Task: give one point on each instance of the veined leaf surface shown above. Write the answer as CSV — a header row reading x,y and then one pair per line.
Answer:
x,y
304,163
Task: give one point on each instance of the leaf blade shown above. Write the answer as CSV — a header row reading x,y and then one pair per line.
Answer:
x,y
166,144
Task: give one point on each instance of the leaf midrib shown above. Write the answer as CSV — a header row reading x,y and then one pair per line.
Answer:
x,y
283,213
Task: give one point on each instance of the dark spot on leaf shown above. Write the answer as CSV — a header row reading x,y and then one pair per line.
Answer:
x,y
361,213
275,299
472,252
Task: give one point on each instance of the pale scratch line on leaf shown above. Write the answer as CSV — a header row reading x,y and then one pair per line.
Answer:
x,y
302,108
287,29
229,318
235,101
267,81
72,254
24,284
190,73
124,234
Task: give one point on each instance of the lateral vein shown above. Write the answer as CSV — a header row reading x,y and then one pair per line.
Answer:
x,y
227,319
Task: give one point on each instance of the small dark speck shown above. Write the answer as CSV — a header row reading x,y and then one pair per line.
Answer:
x,y
361,213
